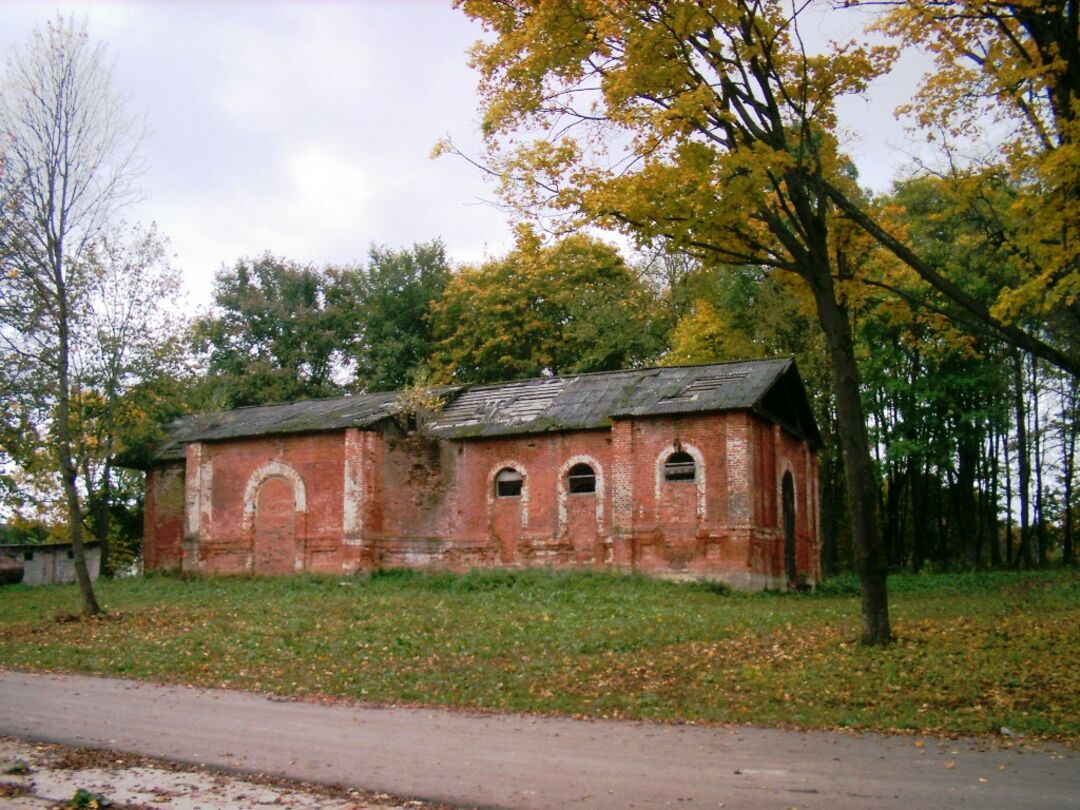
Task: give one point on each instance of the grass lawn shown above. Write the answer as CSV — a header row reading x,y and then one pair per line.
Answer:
x,y
974,652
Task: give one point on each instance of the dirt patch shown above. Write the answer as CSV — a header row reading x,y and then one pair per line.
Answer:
x,y
49,776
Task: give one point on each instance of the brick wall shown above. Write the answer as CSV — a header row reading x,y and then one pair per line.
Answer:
x,y
355,500
163,528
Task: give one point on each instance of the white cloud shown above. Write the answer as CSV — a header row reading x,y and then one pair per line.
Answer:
x,y
330,195
304,129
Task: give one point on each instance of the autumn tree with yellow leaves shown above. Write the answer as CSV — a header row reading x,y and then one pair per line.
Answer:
x,y
1001,112
712,125
707,125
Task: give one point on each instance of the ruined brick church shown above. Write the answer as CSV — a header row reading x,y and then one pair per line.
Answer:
x,y
706,471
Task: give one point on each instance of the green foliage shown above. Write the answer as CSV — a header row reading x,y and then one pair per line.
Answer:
x,y
275,332
845,584
393,297
570,307
84,799
20,532
973,652
17,768
935,393
280,331
714,588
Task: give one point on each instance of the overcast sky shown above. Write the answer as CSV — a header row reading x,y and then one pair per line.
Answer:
x,y
305,128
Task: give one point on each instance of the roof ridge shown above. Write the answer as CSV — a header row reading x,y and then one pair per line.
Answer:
x,y
627,371
496,384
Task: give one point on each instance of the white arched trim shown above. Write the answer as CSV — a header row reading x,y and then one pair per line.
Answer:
x,y
699,472
519,468
563,490
274,469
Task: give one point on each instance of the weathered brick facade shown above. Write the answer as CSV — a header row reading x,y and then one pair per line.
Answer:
x,y
353,499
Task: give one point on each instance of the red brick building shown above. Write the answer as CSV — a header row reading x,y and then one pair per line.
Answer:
x,y
697,471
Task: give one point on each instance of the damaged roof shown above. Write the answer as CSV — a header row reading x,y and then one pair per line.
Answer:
x,y
771,388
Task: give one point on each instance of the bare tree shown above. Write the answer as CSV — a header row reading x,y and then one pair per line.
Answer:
x,y
69,163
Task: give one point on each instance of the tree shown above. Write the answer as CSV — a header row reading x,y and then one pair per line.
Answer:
x,y
392,297
68,167
567,308
706,124
1008,77
275,333
128,343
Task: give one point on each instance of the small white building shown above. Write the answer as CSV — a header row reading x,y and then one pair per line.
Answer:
x,y
53,563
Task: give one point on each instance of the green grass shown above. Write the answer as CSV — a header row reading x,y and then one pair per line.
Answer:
x,y
973,652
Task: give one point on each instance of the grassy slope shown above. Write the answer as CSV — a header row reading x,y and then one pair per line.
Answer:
x,y
974,653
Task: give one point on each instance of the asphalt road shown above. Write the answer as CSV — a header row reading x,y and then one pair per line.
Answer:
x,y
517,761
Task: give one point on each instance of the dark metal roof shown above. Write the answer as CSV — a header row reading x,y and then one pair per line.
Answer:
x,y
292,417
593,400
574,402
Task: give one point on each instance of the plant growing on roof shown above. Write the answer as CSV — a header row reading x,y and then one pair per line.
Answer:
x,y
418,404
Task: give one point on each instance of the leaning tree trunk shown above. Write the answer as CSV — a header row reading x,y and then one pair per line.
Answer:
x,y
858,464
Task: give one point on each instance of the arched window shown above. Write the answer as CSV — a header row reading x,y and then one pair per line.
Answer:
x,y
680,467
581,478
508,483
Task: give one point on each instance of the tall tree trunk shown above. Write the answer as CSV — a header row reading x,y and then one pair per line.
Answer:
x,y
992,512
858,464
982,490
966,512
1068,441
905,515
68,472
834,513
920,507
1037,450
894,542
941,524
1008,505
102,516
1023,462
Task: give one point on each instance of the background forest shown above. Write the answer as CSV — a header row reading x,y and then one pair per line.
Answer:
x,y
974,442
958,287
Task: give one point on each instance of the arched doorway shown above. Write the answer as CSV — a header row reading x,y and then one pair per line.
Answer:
x,y
787,494
274,550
